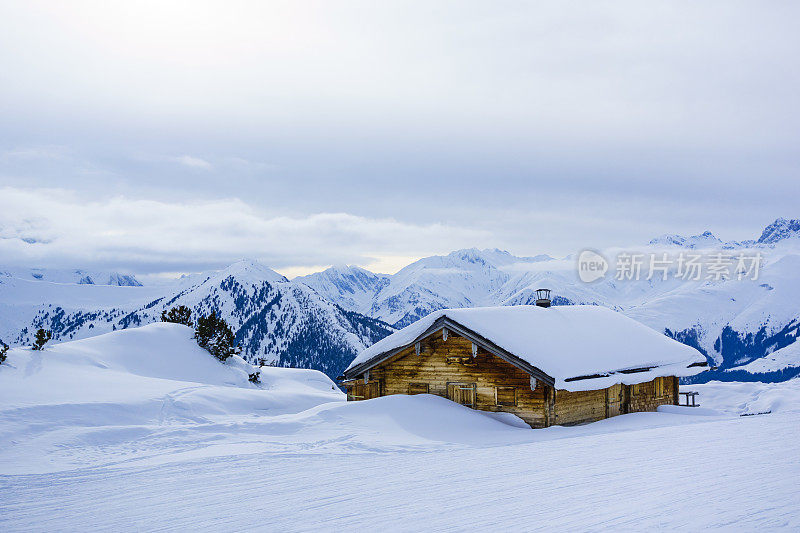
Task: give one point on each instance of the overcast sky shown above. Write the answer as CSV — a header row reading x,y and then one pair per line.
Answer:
x,y
181,136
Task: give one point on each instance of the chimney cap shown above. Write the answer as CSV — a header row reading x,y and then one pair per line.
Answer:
x,y
543,297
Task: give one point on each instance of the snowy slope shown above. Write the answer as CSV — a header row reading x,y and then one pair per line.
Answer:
x,y
787,357
127,386
141,430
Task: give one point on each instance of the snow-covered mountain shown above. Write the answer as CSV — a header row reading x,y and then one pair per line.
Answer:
x,y
703,241
320,321
780,360
82,277
351,287
780,230
732,321
276,320
464,278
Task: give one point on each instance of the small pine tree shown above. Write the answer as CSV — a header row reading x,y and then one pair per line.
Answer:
x,y
216,336
178,315
42,336
255,377
3,352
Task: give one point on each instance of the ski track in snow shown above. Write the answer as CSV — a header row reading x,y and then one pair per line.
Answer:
x,y
734,473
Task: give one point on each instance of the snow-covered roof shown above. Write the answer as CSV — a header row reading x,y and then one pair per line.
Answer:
x,y
564,342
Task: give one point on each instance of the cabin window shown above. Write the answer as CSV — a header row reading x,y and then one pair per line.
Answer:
x,y
659,384
505,396
362,391
418,388
637,388
463,393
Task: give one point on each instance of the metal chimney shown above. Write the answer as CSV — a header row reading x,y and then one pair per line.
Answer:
x,y
543,297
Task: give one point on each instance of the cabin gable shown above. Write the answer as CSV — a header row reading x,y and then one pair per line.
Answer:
x,y
448,368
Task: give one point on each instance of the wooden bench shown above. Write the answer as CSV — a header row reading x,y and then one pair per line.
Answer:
x,y
689,394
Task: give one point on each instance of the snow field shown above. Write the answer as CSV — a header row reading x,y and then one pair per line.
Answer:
x,y
141,430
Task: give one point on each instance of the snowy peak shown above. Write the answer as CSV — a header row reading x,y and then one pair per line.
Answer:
x,y
122,280
462,278
347,279
350,286
480,257
77,276
248,271
780,230
357,274
490,257
467,260
704,240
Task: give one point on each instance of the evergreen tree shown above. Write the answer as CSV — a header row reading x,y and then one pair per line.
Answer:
x,y
42,336
216,336
178,315
3,352
255,377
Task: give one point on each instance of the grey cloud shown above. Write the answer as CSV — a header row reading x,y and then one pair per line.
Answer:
x,y
150,236
539,127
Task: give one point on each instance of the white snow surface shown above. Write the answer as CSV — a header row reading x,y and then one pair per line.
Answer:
x,y
786,357
564,342
140,430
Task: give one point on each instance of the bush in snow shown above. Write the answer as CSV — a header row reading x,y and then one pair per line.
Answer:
x,y
255,377
178,315
216,336
42,336
3,352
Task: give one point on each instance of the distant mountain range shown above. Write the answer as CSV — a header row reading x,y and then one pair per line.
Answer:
x,y
464,278
81,277
780,230
275,320
322,320
733,322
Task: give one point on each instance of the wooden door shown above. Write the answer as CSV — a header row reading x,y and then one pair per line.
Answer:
x,y
355,392
373,390
615,402
463,393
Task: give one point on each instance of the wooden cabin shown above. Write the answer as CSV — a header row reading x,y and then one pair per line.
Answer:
x,y
549,366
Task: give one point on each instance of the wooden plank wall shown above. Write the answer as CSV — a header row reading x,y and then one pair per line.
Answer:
x,y
648,396
588,406
579,407
408,373
485,371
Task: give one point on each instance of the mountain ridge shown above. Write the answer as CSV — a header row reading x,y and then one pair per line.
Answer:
x,y
275,321
323,319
